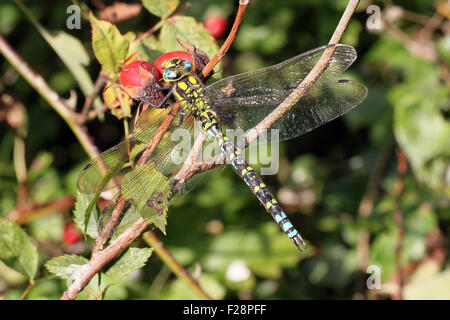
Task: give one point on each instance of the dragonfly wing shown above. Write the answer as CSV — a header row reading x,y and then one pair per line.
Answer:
x,y
286,75
146,190
320,105
106,171
242,101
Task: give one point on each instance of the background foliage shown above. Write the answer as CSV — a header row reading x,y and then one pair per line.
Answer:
x,y
368,189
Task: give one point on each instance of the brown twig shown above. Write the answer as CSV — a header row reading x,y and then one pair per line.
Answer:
x,y
27,289
173,264
83,115
58,104
26,213
95,112
98,261
226,45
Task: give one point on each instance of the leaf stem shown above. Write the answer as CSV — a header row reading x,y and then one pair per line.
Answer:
x,y
173,264
53,99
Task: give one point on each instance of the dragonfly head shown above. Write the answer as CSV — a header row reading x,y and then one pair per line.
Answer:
x,y
176,68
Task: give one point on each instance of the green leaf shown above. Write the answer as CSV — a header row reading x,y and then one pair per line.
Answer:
x,y
430,288
189,31
132,260
67,266
178,289
16,249
265,250
152,188
71,51
110,47
82,205
161,8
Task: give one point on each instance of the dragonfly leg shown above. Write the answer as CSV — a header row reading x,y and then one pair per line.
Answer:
x,y
159,105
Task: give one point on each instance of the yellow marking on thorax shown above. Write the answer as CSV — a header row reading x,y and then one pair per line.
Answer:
x,y
192,80
183,86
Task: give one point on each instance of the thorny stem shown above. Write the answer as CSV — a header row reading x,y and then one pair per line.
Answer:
x,y
84,114
122,242
39,84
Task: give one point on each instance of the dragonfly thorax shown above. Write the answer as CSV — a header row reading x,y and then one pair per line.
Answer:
x,y
175,69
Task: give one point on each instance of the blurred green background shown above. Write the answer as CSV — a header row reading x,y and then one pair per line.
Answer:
x,y
369,191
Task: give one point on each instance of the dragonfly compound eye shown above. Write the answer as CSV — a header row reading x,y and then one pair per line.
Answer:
x,y
173,63
187,67
171,75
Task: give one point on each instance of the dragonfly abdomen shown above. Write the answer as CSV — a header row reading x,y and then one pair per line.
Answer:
x,y
189,92
254,182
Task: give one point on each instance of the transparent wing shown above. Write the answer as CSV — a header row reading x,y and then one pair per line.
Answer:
x,y
242,101
143,190
106,171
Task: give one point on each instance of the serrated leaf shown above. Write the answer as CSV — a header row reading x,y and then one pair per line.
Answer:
x,y
149,48
152,189
82,204
67,266
110,47
161,8
129,262
16,249
128,219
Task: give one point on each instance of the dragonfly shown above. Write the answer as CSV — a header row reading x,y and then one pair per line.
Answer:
x,y
140,171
